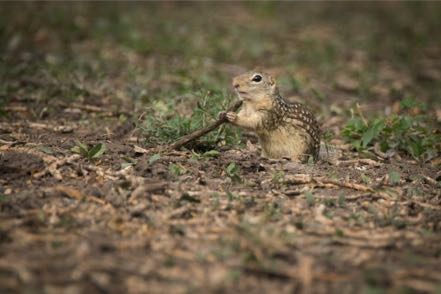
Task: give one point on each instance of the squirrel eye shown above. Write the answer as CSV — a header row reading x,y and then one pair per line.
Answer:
x,y
257,78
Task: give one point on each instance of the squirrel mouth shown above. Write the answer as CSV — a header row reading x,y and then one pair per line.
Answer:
x,y
242,95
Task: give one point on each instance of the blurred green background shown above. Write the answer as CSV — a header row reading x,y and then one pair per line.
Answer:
x,y
314,39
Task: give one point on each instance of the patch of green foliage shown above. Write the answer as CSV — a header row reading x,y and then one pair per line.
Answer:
x,y
233,172
278,179
341,201
272,211
3,93
394,177
176,170
211,153
154,157
89,152
3,198
413,135
2,111
164,125
310,199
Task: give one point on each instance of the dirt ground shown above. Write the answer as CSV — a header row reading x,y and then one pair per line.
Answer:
x,y
143,219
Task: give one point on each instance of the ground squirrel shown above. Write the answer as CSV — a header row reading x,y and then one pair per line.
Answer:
x,y
284,129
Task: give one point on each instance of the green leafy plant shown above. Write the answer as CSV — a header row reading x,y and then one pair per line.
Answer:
x,y
278,178
176,170
329,202
413,135
154,157
365,179
3,198
211,153
2,107
128,161
233,172
89,152
166,126
231,196
310,199
208,154
341,200
394,177
272,211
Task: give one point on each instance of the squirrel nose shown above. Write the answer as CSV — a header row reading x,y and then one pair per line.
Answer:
x,y
236,85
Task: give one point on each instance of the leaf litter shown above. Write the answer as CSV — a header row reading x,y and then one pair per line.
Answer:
x,y
89,204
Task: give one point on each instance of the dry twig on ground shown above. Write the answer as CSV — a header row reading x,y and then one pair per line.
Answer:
x,y
199,133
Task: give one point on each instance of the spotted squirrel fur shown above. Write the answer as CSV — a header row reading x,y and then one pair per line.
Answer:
x,y
284,129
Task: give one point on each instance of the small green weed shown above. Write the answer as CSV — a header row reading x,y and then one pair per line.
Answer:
x,y
233,172
185,197
176,170
414,135
341,201
89,152
128,161
215,200
272,211
208,154
310,199
234,275
232,197
278,178
365,179
2,107
394,177
211,153
330,202
154,157
339,233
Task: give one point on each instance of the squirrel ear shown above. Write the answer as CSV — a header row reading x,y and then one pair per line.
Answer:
x,y
272,82
273,85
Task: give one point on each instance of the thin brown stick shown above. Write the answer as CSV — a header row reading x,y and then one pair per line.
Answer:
x,y
199,133
348,185
308,179
302,179
78,195
53,167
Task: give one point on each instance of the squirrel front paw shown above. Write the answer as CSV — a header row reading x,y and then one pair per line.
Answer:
x,y
231,116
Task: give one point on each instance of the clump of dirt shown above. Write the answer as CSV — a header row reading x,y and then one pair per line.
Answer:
x,y
19,166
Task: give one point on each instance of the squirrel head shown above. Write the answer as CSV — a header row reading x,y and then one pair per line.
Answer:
x,y
255,86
